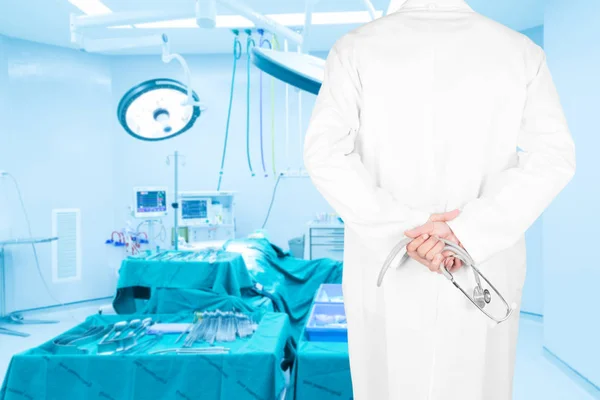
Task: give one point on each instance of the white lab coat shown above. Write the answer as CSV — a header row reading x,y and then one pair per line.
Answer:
x,y
421,112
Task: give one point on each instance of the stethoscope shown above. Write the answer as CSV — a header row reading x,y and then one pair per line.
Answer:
x,y
480,298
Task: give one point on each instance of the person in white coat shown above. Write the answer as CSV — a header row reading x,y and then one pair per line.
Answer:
x,y
431,109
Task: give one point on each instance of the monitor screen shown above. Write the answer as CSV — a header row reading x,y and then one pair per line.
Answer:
x,y
151,201
194,209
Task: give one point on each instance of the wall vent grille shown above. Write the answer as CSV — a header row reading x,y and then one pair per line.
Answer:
x,y
66,251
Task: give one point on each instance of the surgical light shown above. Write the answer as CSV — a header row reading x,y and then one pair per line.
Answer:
x,y
157,110
302,71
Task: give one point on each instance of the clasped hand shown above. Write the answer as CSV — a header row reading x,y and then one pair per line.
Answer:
x,y
426,246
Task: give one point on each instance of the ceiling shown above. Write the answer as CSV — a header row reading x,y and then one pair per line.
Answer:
x,y
47,21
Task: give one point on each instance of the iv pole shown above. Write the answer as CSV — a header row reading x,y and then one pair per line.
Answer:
x,y
175,203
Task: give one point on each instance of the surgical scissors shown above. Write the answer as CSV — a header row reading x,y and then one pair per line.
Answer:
x,y
481,297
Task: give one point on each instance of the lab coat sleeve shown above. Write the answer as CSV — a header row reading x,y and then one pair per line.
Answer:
x,y
511,200
334,165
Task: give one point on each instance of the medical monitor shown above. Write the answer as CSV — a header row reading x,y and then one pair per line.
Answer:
x,y
195,211
150,202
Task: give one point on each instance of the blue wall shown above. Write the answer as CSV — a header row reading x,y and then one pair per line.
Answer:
x,y
536,34
533,291
4,221
571,273
57,141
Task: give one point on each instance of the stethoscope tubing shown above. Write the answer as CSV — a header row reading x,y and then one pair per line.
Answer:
x,y
462,255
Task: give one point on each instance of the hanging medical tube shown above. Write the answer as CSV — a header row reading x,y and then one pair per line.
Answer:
x,y
275,46
480,297
287,115
272,202
249,44
262,42
237,54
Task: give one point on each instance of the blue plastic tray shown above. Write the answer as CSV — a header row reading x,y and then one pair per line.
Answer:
x,y
329,293
316,333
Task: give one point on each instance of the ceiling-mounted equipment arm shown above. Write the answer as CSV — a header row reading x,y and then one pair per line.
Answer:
x,y
262,21
308,13
206,13
126,18
123,43
167,57
108,44
115,44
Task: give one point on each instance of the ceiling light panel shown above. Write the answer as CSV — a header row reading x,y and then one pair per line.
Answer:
x,y
175,23
290,19
91,7
96,7
340,18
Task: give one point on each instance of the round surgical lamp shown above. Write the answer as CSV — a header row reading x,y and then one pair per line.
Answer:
x,y
302,71
157,110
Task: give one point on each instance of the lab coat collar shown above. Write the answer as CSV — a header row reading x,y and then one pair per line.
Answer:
x,y
436,5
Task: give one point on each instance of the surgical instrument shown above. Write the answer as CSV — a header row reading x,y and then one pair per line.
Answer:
x,y
481,297
68,344
168,328
119,326
125,336
124,345
114,346
89,336
336,321
133,324
197,330
144,325
140,347
157,256
202,350
187,329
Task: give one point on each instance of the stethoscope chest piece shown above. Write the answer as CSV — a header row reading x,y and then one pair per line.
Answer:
x,y
481,296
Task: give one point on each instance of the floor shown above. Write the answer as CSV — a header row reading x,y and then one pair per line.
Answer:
x,y
535,378
67,317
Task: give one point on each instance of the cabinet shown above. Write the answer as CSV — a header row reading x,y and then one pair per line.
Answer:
x,y
325,240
